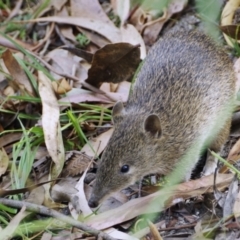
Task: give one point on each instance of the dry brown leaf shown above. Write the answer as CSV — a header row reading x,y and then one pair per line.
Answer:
x,y
64,190
80,195
77,95
97,39
108,64
227,17
9,91
62,86
146,204
139,18
51,125
122,9
58,4
107,87
152,29
112,33
154,231
6,192
66,30
123,97
77,164
68,64
36,196
97,144
86,211
8,44
236,206
230,198
132,36
9,138
16,71
124,88
4,160
48,236
89,9
232,31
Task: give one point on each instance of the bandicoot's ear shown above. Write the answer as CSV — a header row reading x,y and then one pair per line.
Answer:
x,y
152,125
118,110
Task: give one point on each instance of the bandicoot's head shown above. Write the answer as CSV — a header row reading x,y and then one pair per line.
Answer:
x,y
130,154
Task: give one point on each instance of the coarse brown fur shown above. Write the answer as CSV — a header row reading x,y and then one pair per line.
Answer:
x,y
183,94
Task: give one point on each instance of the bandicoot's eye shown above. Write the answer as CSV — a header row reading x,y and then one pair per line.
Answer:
x,y
124,168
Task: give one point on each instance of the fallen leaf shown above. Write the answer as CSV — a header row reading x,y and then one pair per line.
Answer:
x,y
122,9
152,203
154,231
66,30
236,206
58,4
61,87
77,95
95,38
86,211
16,71
77,164
89,9
114,63
50,124
112,33
232,31
9,138
230,198
4,160
98,144
69,64
64,190
36,196
227,18
132,36
152,29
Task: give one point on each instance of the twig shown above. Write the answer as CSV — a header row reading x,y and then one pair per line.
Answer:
x,y
50,212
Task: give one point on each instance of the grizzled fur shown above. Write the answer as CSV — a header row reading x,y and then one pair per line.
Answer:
x,y
187,86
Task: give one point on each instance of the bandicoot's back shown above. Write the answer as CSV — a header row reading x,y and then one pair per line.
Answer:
x,y
183,94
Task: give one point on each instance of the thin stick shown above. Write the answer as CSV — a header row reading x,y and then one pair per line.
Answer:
x,y
50,212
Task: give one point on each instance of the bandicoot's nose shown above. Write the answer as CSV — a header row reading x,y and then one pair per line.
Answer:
x,y
92,203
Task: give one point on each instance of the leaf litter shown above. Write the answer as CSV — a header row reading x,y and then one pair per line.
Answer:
x,y
63,66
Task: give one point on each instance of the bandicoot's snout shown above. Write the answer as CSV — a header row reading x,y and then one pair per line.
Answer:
x,y
93,203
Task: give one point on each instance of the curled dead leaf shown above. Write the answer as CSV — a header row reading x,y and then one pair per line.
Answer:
x,y
232,31
51,125
114,63
61,87
17,72
77,164
4,160
227,18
